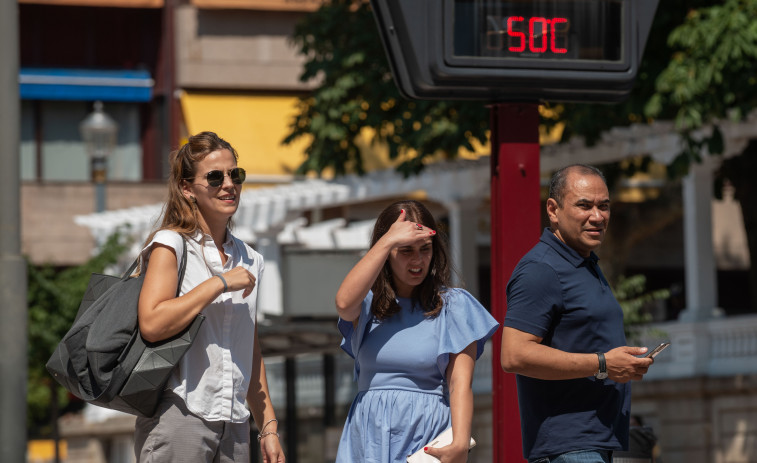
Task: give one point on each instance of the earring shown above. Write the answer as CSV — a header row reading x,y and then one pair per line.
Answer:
x,y
193,200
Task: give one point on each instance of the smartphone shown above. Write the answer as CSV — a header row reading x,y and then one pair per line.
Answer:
x,y
653,353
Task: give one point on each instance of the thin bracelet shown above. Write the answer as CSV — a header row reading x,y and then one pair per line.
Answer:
x,y
267,423
225,286
269,433
262,434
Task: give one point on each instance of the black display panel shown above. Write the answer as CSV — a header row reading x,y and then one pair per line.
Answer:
x,y
515,50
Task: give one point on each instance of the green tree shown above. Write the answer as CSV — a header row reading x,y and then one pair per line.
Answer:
x,y
343,51
712,71
53,300
712,77
635,300
590,120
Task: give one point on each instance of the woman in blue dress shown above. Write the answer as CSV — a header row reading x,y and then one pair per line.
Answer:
x,y
415,341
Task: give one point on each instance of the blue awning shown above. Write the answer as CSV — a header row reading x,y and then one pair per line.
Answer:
x,y
85,85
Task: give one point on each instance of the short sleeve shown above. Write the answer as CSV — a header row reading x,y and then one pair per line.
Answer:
x,y
165,237
462,321
533,293
351,337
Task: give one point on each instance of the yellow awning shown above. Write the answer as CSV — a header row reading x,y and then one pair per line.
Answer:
x,y
253,124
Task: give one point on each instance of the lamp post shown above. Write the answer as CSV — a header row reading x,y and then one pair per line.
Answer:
x,y
99,132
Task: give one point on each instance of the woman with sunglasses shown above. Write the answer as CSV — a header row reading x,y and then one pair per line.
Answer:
x,y
415,341
202,415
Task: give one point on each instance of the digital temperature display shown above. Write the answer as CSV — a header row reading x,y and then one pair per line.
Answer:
x,y
577,33
515,50
541,35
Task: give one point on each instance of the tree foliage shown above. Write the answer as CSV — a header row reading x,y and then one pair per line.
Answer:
x,y
712,77
633,297
356,92
53,300
713,70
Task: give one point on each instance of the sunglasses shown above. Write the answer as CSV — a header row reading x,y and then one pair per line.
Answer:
x,y
215,177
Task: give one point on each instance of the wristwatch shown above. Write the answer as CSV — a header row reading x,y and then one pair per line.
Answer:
x,y
602,373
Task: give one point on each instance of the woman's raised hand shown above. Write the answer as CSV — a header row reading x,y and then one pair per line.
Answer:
x,y
405,233
239,278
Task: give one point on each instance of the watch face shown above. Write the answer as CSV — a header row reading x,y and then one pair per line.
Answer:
x,y
601,375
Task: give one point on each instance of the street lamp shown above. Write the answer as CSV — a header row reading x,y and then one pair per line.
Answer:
x,y
99,132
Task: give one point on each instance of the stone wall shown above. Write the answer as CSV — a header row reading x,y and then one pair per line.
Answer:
x,y
253,48
49,233
701,420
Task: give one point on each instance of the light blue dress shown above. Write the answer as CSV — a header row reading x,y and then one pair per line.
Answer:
x,y
400,366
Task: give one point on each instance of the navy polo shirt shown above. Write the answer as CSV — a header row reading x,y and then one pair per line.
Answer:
x,y
556,294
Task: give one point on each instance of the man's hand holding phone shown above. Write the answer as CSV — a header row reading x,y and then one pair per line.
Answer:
x,y
653,353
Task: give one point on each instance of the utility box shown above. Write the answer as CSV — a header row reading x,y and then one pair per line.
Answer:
x,y
516,50
311,279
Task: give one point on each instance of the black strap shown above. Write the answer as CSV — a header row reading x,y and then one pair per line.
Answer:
x,y
131,269
183,265
183,268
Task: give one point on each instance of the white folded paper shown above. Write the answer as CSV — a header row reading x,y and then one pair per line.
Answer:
x,y
442,440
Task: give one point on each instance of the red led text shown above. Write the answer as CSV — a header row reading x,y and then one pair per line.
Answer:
x,y
535,34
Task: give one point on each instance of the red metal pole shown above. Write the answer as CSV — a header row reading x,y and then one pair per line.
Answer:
x,y
515,228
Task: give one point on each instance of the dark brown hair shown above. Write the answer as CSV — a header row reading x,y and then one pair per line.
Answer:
x,y
428,294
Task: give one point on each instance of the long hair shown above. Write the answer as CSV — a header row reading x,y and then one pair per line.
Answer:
x,y
428,294
179,214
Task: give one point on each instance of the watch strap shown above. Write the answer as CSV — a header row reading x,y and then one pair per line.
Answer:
x,y
602,365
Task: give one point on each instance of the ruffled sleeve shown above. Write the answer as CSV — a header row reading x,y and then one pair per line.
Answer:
x,y
463,320
351,337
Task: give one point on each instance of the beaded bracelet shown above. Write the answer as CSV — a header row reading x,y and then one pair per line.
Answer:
x,y
225,286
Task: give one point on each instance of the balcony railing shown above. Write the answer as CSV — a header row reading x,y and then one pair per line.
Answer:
x,y
717,347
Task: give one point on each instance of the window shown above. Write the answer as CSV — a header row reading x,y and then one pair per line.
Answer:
x,y
52,148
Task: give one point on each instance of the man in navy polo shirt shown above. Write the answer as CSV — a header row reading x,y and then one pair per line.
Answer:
x,y
563,332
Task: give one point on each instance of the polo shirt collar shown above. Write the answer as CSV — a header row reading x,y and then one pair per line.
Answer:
x,y
568,253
